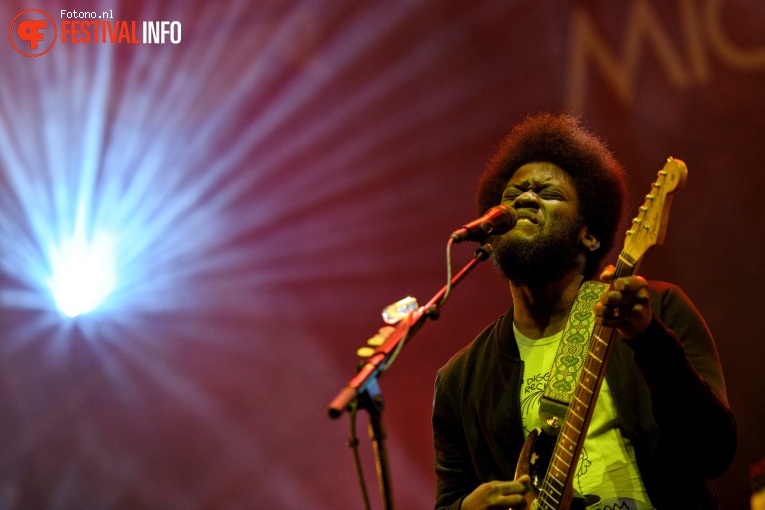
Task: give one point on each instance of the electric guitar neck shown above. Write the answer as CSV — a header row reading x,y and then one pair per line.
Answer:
x,y
649,227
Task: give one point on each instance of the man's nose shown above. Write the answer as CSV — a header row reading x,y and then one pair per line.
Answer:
x,y
526,199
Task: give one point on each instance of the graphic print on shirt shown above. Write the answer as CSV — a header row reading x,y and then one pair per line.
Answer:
x,y
533,390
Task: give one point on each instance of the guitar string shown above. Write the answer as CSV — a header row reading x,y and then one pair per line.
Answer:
x,y
622,268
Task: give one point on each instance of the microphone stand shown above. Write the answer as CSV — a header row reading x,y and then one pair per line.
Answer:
x,y
363,387
372,400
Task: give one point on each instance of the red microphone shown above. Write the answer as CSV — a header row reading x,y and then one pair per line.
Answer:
x,y
496,221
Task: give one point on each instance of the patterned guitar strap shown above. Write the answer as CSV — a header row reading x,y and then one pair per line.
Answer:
x,y
570,357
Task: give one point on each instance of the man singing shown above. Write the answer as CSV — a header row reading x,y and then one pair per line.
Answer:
x,y
661,427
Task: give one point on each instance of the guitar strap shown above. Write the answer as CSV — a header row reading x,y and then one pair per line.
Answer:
x,y
570,357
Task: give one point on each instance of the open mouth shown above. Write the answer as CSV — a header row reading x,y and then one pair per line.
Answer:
x,y
527,219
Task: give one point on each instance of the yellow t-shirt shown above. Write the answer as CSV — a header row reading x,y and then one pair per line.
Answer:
x,y
606,472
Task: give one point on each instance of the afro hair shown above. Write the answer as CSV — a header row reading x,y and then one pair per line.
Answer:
x,y
560,139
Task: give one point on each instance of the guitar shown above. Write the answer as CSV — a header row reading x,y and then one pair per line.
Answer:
x,y
552,466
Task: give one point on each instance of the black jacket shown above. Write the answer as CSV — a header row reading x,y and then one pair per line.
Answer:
x,y
667,385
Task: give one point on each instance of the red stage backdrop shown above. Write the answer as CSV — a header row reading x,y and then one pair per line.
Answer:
x,y
269,175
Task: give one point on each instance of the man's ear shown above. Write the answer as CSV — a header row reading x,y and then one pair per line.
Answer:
x,y
589,239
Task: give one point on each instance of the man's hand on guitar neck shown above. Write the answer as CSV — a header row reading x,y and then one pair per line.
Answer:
x,y
493,495
625,306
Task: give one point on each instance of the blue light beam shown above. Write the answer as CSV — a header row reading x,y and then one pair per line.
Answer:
x,y
83,270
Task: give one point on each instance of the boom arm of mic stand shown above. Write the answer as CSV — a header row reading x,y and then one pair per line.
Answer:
x,y
406,329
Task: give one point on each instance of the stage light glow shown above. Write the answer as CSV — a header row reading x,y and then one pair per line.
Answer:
x,y
141,199
155,193
83,272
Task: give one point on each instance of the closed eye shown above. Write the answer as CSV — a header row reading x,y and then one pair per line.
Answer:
x,y
544,194
551,194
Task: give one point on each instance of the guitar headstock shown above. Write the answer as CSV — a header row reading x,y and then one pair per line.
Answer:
x,y
650,225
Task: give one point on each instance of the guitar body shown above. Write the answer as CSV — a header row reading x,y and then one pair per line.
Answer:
x,y
534,461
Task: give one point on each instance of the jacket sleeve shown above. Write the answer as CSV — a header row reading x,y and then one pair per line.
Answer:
x,y
679,361
454,477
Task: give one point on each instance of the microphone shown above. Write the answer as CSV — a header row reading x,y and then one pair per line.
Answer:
x,y
496,221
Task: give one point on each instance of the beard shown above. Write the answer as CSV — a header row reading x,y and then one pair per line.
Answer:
x,y
540,259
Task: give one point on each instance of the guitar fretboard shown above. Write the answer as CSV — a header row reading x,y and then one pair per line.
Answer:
x,y
580,409
648,229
